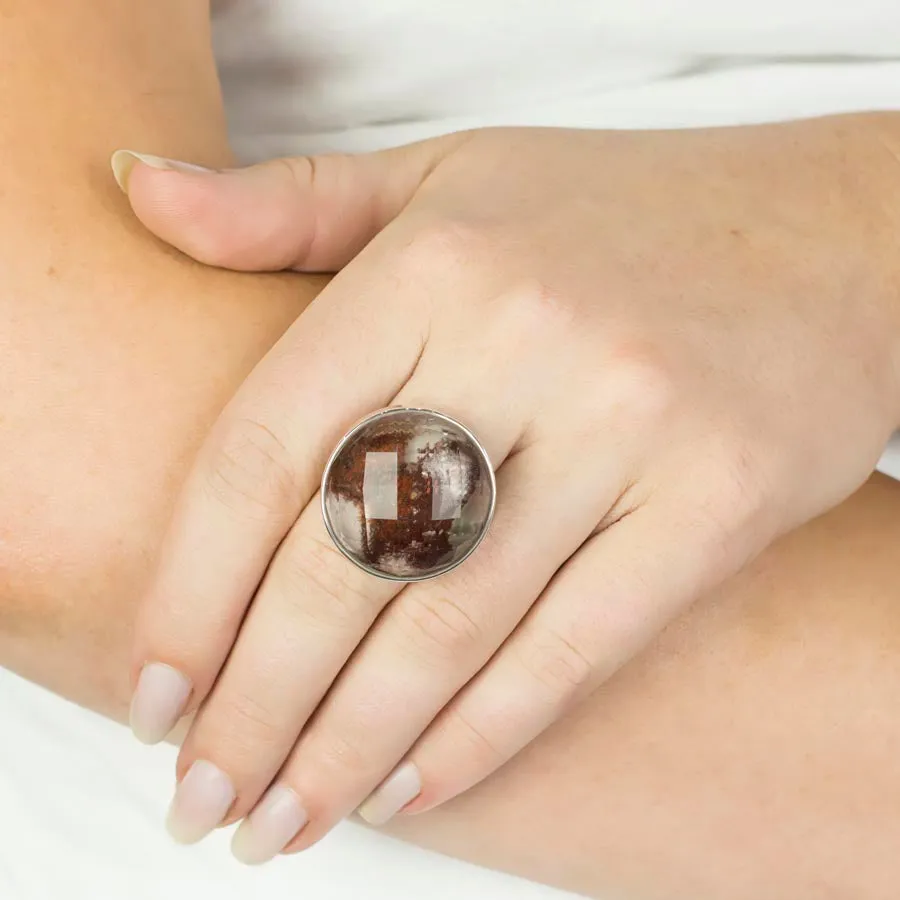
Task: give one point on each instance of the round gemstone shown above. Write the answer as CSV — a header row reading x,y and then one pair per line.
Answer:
x,y
408,494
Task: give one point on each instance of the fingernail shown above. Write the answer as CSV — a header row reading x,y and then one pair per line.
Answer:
x,y
400,788
159,700
201,802
270,827
123,162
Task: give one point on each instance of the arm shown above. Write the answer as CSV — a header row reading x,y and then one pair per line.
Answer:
x,y
750,752
116,351
768,715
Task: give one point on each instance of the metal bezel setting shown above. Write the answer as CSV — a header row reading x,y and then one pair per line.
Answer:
x,y
384,413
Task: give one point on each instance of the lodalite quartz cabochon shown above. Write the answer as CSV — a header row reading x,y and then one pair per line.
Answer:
x,y
408,494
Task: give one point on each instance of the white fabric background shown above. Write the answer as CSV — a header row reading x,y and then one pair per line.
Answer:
x,y
313,75
82,806
81,803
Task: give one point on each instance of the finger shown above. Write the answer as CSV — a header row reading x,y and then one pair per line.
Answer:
x,y
383,698
604,606
254,474
312,609
309,213
428,642
310,612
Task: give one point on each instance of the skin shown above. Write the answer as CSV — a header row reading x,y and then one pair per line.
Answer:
x,y
656,336
90,303
751,751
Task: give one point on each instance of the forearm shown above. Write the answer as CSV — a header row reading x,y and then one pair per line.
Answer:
x,y
116,351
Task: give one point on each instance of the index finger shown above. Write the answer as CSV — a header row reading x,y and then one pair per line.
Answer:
x,y
348,354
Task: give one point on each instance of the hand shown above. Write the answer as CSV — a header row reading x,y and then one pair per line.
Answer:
x,y
675,346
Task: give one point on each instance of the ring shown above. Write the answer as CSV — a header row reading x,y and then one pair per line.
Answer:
x,y
408,494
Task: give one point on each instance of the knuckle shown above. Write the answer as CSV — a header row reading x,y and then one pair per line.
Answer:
x,y
239,728
640,382
556,663
301,170
251,472
331,761
536,306
442,242
480,750
309,567
339,753
325,176
435,626
325,172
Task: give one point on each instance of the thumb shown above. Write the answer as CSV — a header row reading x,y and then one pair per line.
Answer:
x,y
308,213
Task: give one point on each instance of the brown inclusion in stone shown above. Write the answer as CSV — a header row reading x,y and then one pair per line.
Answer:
x,y
409,494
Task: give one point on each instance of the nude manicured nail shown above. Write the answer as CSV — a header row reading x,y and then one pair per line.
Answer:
x,y
159,700
400,788
201,802
123,162
270,827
